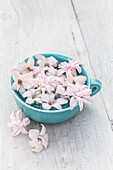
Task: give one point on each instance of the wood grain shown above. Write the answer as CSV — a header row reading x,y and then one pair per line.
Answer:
x,y
83,30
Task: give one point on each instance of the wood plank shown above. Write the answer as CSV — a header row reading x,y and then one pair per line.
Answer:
x,y
96,23
82,143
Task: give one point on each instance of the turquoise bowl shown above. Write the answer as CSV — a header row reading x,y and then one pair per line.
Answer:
x,y
54,116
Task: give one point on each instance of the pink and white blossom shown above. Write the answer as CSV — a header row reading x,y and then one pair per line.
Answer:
x,y
60,90
75,79
21,82
32,96
80,93
46,62
39,140
49,101
18,124
72,66
26,67
45,83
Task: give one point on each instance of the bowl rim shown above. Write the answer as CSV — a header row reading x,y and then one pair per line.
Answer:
x,y
41,110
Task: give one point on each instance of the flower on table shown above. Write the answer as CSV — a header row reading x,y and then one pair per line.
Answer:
x,y
72,65
18,124
39,140
21,82
80,93
32,96
26,67
49,101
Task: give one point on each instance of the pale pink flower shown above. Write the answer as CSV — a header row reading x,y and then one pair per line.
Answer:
x,y
51,102
51,71
21,82
71,66
60,90
18,124
46,62
45,83
32,96
24,67
39,140
80,93
75,79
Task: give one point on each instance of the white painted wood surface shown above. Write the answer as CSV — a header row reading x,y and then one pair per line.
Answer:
x,y
83,30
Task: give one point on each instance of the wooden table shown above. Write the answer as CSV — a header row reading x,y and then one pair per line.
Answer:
x,y
82,29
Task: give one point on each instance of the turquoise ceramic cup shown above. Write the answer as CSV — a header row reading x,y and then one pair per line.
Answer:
x,y
54,116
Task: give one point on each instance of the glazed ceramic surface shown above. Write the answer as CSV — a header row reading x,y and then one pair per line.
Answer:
x,y
54,116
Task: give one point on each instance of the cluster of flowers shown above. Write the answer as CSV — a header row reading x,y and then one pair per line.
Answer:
x,y
39,139
51,84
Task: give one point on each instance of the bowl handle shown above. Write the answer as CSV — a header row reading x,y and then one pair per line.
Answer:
x,y
95,86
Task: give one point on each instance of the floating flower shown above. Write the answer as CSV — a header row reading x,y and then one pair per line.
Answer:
x,y
79,93
46,62
32,96
26,67
60,90
21,82
39,139
45,83
71,66
18,124
75,79
50,102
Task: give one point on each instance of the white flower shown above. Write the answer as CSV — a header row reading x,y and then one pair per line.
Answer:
x,y
45,83
80,93
32,96
17,123
21,82
51,102
46,62
39,139
75,79
26,67
72,65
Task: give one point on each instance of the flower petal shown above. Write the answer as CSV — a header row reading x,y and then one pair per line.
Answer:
x,y
21,89
21,67
38,100
46,106
33,143
45,98
57,106
60,89
62,101
44,142
26,121
73,103
80,104
29,100
18,114
60,72
28,93
16,131
38,148
80,79
16,75
15,86
43,130
33,134
30,63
